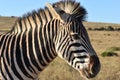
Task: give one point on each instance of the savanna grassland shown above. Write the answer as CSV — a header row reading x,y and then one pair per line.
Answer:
x,y
101,41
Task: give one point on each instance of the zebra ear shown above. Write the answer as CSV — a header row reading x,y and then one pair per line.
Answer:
x,y
52,10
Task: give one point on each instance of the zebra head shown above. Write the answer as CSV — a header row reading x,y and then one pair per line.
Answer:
x,y
72,42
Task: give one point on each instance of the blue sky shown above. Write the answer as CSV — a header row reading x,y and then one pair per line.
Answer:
x,y
98,10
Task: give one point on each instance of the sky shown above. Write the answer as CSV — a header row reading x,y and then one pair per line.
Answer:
x,y
107,11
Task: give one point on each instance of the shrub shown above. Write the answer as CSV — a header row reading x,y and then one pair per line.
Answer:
x,y
114,49
99,29
109,28
117,29
12,16
109,53
90,29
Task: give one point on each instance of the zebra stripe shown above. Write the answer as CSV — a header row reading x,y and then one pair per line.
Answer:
x,y
20,51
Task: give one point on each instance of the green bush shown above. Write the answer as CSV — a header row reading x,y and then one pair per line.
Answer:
x,y
109,53
114,49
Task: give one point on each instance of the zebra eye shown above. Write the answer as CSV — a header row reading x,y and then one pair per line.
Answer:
x,y
75,36
61,12
55,6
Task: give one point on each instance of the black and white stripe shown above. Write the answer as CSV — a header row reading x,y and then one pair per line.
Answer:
x,y
25,54
37,38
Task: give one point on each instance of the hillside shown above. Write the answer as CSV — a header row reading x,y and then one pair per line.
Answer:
x,y
98,25
6,24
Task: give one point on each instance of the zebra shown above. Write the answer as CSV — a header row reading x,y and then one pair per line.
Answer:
x,y
37,38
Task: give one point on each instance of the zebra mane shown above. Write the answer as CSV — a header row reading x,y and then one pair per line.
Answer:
x,y
72,7
41,14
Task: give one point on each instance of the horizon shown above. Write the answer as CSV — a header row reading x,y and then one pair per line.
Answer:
x,y
83,21
98,11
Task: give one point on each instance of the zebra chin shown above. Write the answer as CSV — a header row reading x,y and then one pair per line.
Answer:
x,y
93,68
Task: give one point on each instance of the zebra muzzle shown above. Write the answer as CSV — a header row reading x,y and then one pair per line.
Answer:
x,y
92,69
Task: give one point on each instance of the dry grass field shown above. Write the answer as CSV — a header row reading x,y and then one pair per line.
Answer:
x,y
101,41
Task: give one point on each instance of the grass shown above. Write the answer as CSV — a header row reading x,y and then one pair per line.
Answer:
x,y
109,53
101,41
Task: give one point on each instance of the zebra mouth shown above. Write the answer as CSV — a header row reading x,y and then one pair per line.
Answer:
x,y
86,74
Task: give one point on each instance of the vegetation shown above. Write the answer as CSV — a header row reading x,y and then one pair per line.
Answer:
x,y
109,28
109,53
101,41
12,16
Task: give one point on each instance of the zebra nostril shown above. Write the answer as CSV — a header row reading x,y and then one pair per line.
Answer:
x,y
78,67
